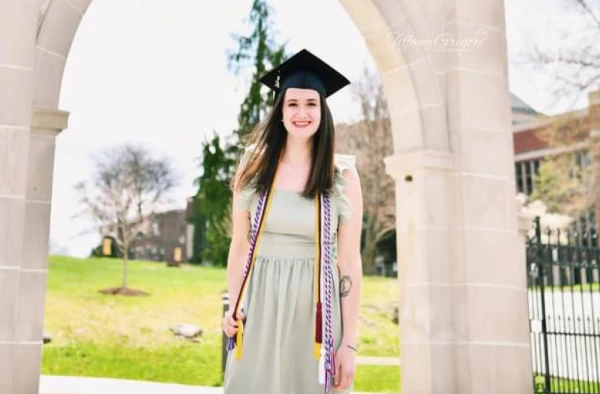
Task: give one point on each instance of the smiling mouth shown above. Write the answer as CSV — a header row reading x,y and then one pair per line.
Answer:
x,y
302,124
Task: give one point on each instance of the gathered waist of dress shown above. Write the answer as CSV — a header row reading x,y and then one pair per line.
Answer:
x,y
290,250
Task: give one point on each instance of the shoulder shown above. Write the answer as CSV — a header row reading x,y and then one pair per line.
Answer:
x,y
247,153
347,189
344,162
346,172
245,193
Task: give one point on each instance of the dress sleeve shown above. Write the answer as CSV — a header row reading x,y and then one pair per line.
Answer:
x,y
343,162
246,194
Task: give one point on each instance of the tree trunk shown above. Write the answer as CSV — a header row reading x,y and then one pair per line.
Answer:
x,y
370,245
125,259
368,257
372,239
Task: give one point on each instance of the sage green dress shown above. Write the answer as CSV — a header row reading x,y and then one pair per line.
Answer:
x,y
278,346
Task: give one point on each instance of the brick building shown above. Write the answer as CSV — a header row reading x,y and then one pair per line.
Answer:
x,y
530,148
160,235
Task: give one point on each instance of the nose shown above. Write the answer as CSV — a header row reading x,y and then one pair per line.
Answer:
x,y
302,112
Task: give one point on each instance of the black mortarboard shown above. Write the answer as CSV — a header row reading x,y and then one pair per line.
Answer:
x,y
305,71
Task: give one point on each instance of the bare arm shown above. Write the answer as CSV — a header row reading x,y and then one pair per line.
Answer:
x,y
238,249
349,260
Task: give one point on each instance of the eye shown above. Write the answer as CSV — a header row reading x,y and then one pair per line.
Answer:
x,y
291,104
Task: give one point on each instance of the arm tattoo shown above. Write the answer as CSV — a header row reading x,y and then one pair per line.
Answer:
x,y
345,286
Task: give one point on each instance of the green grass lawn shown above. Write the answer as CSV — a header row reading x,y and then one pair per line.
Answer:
x,y
587,287
565,385
128,337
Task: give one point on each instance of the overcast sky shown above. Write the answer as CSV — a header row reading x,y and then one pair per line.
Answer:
x,y
154,72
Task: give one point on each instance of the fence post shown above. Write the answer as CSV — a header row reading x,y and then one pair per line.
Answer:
x,y
525,225
224,344
540,261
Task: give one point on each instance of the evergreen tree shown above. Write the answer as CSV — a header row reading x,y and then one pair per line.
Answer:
x,y
213,200
258,52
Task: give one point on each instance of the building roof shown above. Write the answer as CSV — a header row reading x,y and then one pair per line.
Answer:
x,y
516,104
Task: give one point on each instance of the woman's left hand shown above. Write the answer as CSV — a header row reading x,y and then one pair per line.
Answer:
x,y
344,368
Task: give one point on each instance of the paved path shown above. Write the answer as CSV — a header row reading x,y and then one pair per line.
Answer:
x,y
79,385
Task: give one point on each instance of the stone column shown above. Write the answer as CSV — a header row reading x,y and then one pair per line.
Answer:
x,y
45,126
423,222
463,311
23,287
463,304
490,333
18,20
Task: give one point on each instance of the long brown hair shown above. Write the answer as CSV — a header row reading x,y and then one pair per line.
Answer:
x,y
267,142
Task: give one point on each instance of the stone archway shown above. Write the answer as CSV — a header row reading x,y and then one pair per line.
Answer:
x,y
452,163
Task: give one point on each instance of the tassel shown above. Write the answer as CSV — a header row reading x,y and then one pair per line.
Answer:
x,y
329,371
239,339
318,331
322,369
317,351
319,328
332,358
230,343
328,382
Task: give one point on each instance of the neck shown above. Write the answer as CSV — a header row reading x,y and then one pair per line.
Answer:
x,y
297,153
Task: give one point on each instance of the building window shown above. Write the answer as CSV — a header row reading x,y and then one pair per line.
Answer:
x,y
519,177
582,159
525,174
528,178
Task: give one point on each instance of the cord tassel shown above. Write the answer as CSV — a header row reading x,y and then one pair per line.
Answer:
x,y
332,358
329,370
318,331
322,371
327,382
230,343
239,351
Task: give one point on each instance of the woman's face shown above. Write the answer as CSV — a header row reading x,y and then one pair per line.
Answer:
x,y
301,112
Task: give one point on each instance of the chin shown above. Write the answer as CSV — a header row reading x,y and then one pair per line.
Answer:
x,y
302,134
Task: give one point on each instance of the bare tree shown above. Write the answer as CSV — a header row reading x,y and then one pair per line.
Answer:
x,y
573,59
371,141
128,184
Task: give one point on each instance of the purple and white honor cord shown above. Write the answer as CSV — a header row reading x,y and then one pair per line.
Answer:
x,y
329,351
231,341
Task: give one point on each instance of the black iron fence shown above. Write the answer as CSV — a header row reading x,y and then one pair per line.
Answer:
x,y
564,310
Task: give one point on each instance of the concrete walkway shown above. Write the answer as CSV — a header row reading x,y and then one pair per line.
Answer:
x,y
81,385
84,385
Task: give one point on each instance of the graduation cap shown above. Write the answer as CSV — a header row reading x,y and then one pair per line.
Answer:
x,y
304,71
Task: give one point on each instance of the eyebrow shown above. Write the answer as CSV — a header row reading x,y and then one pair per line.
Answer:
x,y
294,99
